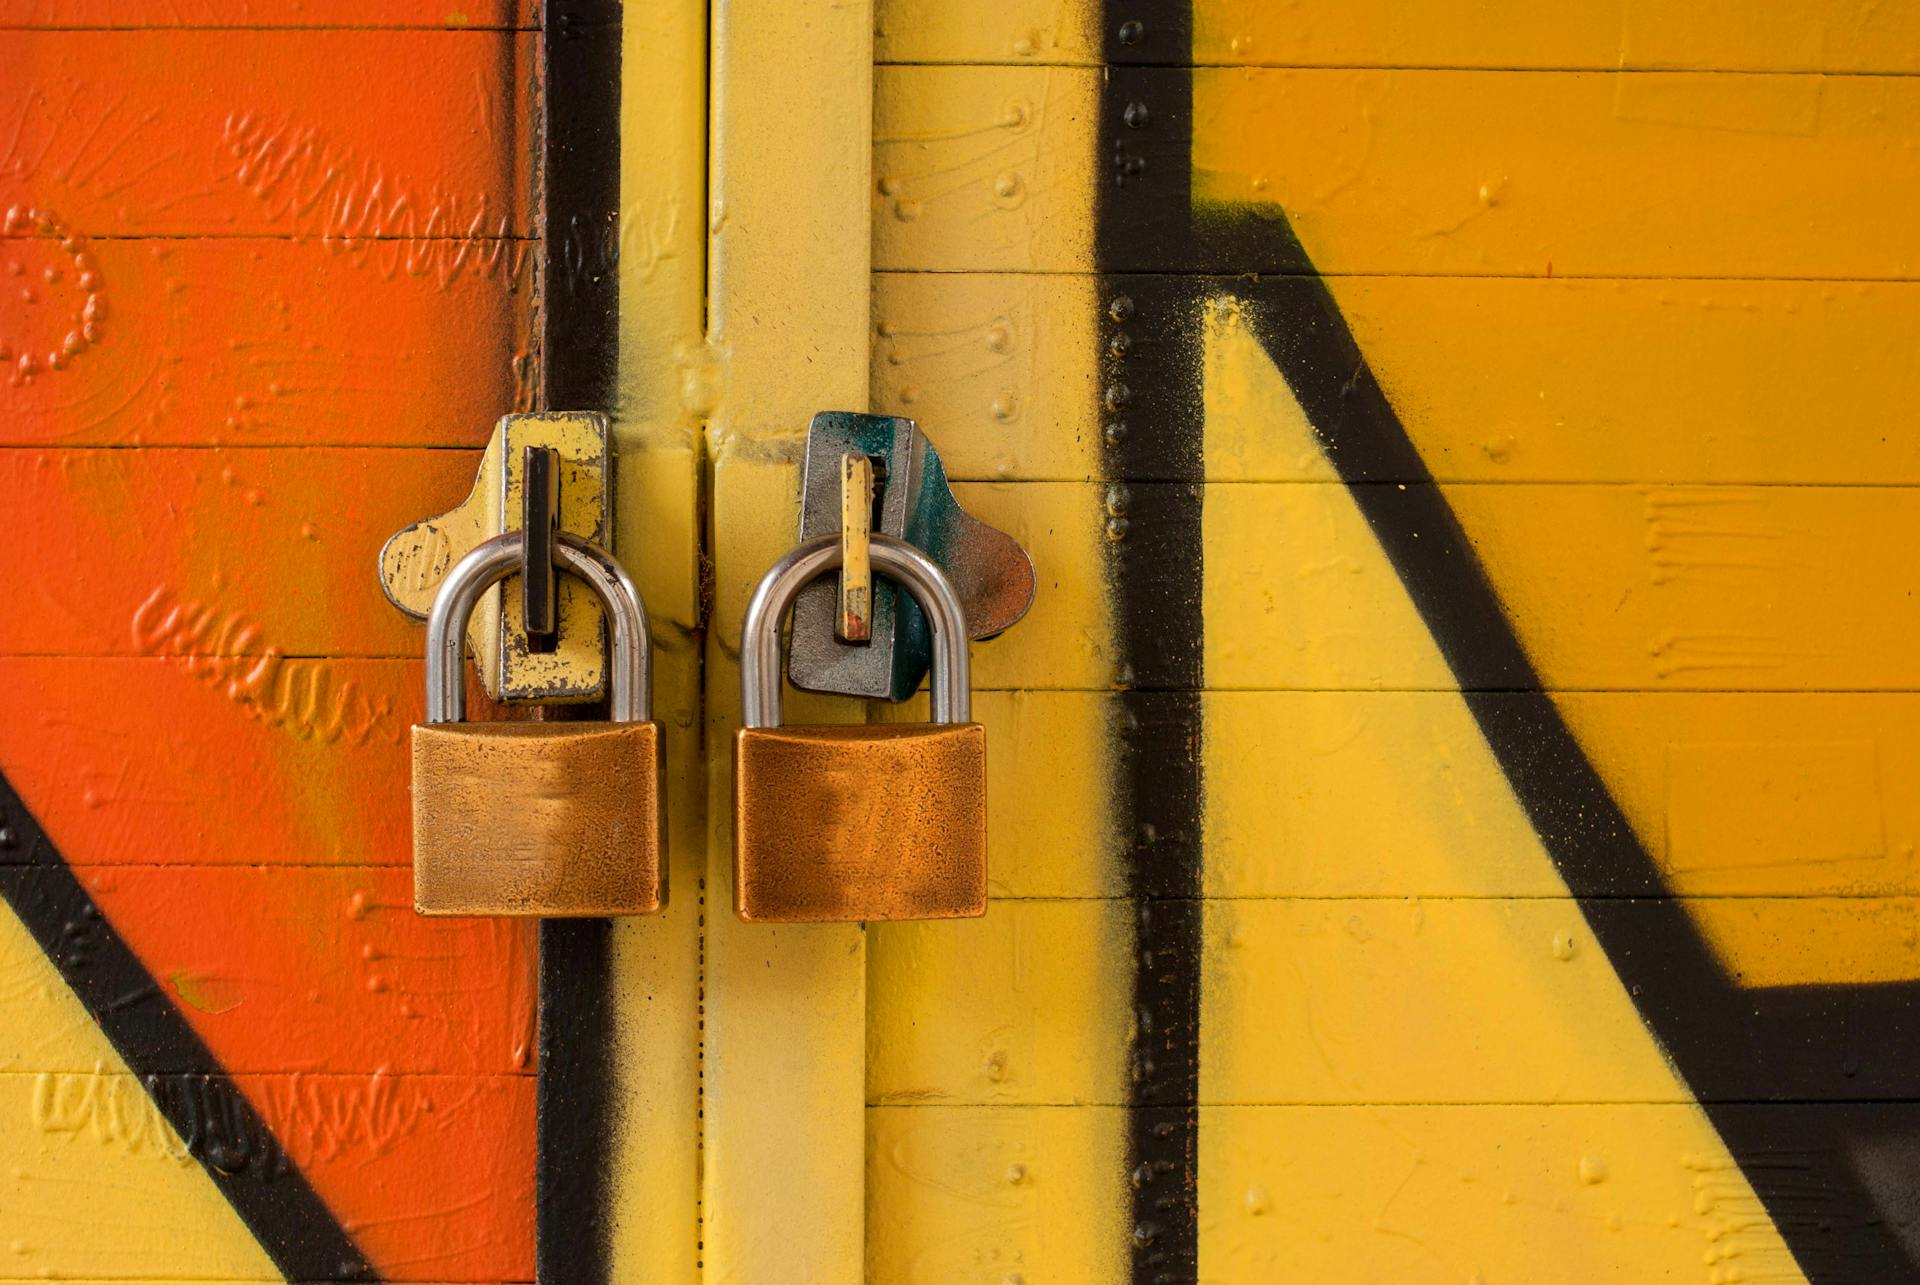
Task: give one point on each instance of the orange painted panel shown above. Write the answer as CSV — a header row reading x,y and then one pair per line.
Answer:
x,y
251,282
130,761
282,13
238,552
433,1176
335,134
316,970
260,342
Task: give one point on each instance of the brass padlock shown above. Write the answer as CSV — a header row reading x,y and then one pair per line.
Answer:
x,y
862,821
537,819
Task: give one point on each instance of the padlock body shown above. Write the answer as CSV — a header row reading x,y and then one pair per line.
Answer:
x,y
860,822
537,819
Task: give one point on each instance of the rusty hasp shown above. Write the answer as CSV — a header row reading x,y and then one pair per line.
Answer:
x,y
991,573
543,641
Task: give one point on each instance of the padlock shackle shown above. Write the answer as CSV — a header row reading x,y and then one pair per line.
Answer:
x,y
899,561
630,670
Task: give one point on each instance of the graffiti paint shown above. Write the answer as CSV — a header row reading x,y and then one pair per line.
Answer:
x,y
1452,814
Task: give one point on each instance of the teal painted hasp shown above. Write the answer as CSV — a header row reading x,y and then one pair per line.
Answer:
x,y
992,574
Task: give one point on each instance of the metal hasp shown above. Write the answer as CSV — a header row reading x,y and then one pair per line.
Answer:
x,y
550,470
991,573
539,528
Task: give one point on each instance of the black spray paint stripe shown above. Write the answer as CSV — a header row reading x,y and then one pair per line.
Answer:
x,y
1732,1046
192,1090
578,325
1151,431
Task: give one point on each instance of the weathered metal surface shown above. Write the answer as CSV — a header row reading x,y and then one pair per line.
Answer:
x,y
783,1010
255,310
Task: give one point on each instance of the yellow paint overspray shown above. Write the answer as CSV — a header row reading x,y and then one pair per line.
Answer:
x,y
88,1128
791,100
1040,32
1387,1080
996,1069
1022,1006
988,1195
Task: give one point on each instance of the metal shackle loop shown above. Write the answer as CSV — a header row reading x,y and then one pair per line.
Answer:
x,y
630,671
903,563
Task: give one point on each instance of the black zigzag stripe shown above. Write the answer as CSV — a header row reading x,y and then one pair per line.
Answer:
x,y
195,1094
